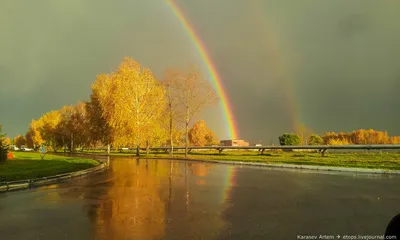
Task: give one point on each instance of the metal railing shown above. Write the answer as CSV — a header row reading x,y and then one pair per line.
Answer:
x,y
261,149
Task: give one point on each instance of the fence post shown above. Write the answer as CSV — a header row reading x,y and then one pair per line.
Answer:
x,y
323,152
261,151
220,150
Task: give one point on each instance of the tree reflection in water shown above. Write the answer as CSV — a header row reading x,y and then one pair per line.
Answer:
x,y
154,199
132,205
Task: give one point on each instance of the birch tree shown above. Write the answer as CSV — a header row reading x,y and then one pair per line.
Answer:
x,y
132,103
195,93
48,128
173,109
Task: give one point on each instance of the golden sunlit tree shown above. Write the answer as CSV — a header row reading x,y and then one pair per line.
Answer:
x,y
360,136
156,134
73,128
178,137
7,141
394,140
338,142
48,128
212,139
194,93
33,135
19,141
201,135
132,101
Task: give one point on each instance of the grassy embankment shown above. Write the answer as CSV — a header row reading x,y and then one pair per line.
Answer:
x,y
28,165
372,160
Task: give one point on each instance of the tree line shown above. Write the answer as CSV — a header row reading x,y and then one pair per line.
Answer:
x,y
129,108
360,136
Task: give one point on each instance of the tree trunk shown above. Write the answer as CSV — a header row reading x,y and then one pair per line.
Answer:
x,y
171,115
108,149
63,143
186,138
138,142
171,151
54,145
187,122
72,143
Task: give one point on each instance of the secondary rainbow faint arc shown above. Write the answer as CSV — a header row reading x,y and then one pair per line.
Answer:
x,y
215,78
279,70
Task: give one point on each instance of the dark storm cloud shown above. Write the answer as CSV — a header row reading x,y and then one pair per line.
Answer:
x,y
51,51
340,57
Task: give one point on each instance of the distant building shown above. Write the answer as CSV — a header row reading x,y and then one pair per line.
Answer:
x,y
234,142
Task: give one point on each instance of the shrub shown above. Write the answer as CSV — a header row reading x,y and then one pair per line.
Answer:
x,y
289,139
315,140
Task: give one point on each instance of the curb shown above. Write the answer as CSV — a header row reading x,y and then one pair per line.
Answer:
x,y
37,182
272,165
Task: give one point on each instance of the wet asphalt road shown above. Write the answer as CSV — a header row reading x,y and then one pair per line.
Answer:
x,y
161,199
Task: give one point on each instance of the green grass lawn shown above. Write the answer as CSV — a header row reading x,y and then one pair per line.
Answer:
x,y
375,160
28,165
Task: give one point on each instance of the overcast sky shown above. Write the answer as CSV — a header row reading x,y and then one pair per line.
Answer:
x,y
336,61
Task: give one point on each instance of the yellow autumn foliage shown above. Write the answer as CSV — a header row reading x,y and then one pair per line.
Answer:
x,y
201,135
132,101
361,136
128,107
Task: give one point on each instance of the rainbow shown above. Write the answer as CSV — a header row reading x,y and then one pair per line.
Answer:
x,y
281,72
215,78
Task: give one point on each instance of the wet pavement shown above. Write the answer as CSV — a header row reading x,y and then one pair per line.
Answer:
x,y
162,199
